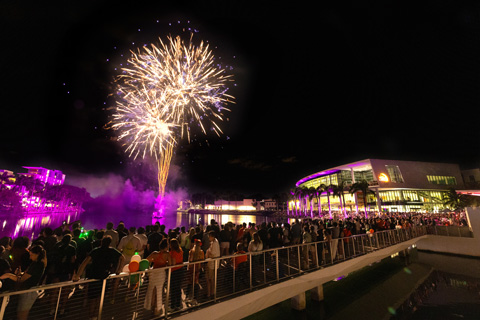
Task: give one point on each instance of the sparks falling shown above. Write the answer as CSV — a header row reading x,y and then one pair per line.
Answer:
x,y
168,90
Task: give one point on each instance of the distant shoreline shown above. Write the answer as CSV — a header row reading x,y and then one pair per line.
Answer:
x,y
230,212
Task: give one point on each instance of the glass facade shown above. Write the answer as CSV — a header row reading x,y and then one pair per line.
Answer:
x,y
401,195
394,173
342,175
442,180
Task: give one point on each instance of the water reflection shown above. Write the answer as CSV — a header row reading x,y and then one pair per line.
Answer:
x,y
31,225
442,296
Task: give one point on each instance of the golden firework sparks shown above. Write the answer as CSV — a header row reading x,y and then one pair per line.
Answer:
x,y
167,91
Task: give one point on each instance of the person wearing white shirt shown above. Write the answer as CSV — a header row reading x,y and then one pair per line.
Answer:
x,y
212,252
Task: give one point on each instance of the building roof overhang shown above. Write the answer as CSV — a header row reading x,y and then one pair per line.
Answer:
x,y
361,165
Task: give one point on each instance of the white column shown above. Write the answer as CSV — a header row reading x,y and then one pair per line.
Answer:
x,y
316,294
299,302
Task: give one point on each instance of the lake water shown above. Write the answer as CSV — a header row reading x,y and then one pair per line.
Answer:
x,y
30,225
428,286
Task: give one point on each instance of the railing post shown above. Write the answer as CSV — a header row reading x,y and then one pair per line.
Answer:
x,y
5,301
288,259
331,253
58,303
343,249
264,268
316,254
102,299
167,302
215,281
299,260
353,246
276,263
234,264
251,273
363,246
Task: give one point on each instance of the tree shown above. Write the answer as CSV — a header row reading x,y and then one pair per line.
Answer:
x,y
338,192
10,201
298,194
458,201
311,193
362,186
328,189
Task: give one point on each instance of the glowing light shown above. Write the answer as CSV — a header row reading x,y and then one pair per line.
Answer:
x,y
383,177
168,90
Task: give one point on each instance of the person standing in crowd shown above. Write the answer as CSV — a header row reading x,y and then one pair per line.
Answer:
x,y
193,276
5,284
99,264
213,251
154,239
30,278
296,232
143,241
177,275
182,238
112,233
255,246
335,235
306,239
225,238
130,245
156,278
63,265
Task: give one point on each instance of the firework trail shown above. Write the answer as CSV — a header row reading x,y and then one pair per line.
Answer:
x,y
168,90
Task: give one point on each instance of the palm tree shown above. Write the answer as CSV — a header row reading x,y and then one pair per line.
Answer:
x,y
311,192
338,192
328,190
299,195
292,198
456,201
363,187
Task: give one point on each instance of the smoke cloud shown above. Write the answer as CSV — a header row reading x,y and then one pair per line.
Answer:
x,y
115,199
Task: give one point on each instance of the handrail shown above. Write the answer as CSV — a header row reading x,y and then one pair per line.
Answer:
x,y
264,267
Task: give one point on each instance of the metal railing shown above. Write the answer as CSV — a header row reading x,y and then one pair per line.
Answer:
x,y
170,291
451,231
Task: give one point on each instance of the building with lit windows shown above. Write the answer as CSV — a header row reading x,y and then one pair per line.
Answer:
x,y
393,186
52,177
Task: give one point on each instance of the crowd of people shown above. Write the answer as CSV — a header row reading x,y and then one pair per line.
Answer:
x,y
69,252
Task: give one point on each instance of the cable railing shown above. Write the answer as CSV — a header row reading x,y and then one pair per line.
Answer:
x,y
451,231
165,292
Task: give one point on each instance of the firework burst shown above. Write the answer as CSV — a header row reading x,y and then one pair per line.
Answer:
x,y
167,91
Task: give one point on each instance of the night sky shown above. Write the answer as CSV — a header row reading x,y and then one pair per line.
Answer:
x,y
315,87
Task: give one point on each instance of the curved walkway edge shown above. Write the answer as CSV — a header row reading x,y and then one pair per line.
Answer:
x,y
253,302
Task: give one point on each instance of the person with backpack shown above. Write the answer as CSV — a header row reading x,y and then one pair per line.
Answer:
x,y
129,245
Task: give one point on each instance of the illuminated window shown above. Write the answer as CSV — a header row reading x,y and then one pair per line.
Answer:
x,y
410,195
442,180
395,174
390,196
